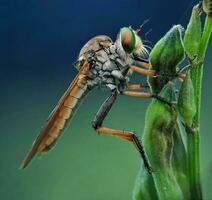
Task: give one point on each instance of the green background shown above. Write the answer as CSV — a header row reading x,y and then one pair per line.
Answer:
x,y
83,165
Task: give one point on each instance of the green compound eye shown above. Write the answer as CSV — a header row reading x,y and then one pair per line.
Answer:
x,y
127,39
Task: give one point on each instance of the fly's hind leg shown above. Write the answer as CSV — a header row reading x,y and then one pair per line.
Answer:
x,y
126,135
129,136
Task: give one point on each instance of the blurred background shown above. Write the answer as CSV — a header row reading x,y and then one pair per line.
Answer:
x,y
39,43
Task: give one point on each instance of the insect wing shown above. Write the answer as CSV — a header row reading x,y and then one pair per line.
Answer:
x,y
57,120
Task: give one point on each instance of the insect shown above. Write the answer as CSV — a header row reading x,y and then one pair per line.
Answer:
x,y
101,62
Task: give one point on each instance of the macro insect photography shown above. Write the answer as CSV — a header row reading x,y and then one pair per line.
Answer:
x,y
106,100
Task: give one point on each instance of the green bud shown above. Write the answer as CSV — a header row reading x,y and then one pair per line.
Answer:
x,y
165,56
207,7
186,101
158,141
160,118
193,33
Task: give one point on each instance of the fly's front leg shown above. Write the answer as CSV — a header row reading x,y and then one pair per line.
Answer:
x,y
126,135
142,62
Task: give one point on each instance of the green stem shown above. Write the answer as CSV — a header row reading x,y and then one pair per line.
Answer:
x,y
194,135
194,165
205,37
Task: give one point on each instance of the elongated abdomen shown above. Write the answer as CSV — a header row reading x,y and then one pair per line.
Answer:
x,y
59,117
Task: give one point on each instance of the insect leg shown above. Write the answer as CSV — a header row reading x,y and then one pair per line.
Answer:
x,y
146,95
138,86
129,136
126,135
141,61
104,109
144,64
153,73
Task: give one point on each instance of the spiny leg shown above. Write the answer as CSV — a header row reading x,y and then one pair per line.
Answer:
x,y
126,135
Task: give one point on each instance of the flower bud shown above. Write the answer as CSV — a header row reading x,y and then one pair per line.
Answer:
x,y
186,101
165,56
193,33
158,140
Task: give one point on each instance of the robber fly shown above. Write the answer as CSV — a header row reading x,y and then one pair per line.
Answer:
x,y
101,62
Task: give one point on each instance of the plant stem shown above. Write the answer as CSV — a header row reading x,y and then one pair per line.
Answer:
x,y
194,134
205,37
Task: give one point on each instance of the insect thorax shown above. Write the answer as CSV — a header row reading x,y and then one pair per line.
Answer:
x,y
106,59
